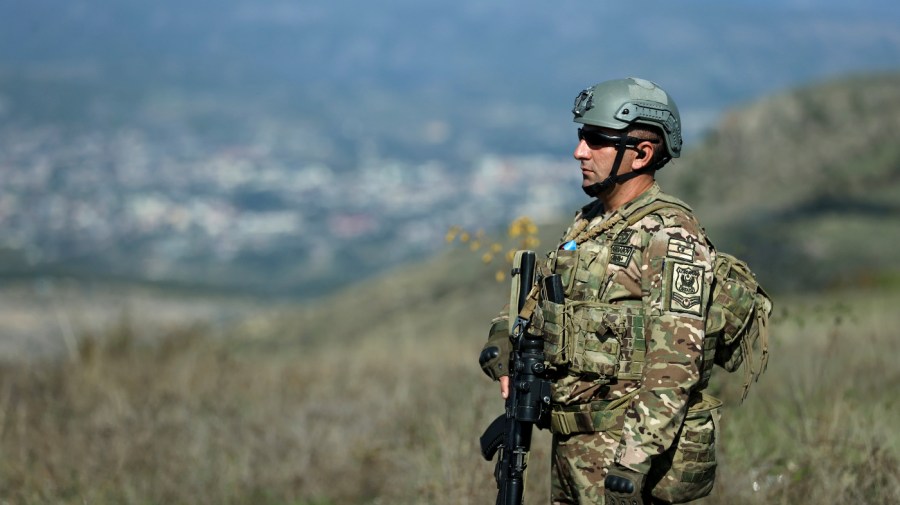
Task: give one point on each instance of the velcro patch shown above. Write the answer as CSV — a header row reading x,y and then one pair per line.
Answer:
x,y
685,288
624,236
680,249
620,254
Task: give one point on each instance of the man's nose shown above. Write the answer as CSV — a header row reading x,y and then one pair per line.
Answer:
x,y
582,151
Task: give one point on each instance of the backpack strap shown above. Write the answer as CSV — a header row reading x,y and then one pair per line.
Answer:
x,y
762,308
658,205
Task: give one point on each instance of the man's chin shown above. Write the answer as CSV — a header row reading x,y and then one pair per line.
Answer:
x,y
595,189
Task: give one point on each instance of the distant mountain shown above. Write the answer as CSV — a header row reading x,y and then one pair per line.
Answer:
x,y
499,77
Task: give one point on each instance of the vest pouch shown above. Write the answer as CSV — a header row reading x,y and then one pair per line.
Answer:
x,y
595,334
553,328
565,264
736,303
687,470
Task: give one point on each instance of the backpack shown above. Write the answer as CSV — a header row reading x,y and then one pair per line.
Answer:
x,y
737,319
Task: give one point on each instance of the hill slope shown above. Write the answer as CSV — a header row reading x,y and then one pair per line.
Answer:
x,y
805,184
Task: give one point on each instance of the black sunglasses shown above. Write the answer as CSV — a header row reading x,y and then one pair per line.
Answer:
x,y
598,138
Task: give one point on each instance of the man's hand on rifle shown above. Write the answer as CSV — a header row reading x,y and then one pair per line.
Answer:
x,y
504,386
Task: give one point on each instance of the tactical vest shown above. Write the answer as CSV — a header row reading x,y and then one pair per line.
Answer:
x,y
584,335
589,337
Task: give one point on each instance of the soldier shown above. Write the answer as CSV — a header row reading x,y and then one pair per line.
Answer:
x,y
627,351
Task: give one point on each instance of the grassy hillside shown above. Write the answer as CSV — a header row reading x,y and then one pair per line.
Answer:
x,y
386,407
805,184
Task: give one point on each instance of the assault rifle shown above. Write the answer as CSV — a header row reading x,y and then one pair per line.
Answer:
x,y
528,403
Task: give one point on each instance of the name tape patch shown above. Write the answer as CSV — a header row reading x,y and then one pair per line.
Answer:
x,y
620,254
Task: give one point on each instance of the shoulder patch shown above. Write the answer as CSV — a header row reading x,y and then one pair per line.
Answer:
x,y
684,286
680,249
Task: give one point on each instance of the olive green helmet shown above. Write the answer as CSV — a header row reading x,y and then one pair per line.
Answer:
x,y
621,103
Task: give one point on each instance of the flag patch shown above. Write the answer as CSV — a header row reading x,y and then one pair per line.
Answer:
x,y
680,249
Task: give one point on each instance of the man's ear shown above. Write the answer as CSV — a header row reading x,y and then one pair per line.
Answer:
x,y
645,151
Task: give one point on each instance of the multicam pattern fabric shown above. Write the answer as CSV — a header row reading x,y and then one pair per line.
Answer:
x,y
631,333
578,466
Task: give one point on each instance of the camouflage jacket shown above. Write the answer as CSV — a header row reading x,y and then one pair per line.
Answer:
x,y
630,337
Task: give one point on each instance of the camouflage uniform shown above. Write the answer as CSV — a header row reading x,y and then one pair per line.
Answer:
x,y
627,348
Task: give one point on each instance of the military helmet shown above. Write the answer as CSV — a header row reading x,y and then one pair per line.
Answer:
x,y
621,103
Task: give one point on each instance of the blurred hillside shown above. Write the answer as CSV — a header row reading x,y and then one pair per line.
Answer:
x,y
375,396
805,184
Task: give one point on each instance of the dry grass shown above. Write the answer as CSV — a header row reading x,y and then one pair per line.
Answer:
x,y
821,426
393,416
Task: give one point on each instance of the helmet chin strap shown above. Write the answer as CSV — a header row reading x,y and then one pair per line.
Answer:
x,y
598,188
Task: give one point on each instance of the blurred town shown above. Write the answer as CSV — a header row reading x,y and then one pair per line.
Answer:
x,y
264,212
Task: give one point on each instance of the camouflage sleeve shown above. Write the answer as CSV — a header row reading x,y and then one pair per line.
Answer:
x,y
676,276
494,359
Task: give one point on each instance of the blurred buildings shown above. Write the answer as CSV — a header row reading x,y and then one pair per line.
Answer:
x,y
176,205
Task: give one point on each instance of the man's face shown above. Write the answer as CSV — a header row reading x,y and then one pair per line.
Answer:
x,y
597,155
